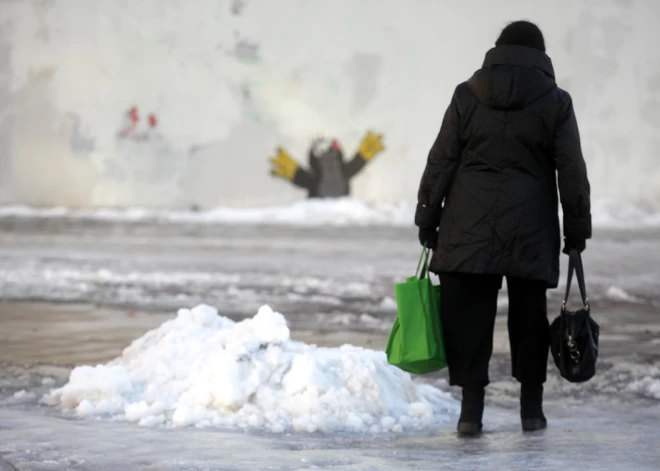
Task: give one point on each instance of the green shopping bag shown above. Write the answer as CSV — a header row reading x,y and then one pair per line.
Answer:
x,y
415,344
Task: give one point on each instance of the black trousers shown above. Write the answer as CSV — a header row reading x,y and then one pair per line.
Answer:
x,y
468,308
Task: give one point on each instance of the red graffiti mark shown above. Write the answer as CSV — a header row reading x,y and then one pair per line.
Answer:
x,y
133,114
134,119
153,121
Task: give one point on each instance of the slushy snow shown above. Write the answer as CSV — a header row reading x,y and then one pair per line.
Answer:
x,y
201,369
648,386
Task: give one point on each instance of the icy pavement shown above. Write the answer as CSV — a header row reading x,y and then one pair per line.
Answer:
x,y
609,423
334,285
332,277
578,438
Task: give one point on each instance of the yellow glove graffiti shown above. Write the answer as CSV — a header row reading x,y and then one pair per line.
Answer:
x,y
283,165
371,145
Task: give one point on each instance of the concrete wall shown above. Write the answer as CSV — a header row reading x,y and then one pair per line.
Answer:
x,y
230,80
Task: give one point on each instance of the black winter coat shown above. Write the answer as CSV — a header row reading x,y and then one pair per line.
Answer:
x,y
508,138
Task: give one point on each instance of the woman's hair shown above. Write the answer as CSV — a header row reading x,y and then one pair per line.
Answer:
x,y
521,33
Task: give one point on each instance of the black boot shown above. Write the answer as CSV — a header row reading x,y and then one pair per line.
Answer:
x,y
531,407
472,411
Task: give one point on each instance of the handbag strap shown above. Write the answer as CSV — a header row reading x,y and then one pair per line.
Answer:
x,y
575,264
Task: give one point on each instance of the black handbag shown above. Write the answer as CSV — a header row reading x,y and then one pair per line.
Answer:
x,y
574,334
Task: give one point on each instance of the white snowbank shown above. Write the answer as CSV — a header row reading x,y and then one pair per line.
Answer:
x,y
202,369
340,212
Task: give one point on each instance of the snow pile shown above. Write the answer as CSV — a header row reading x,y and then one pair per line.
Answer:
x,y
648,386
201,369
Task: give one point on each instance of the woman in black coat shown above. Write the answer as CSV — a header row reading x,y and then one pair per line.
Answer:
x,y
488,206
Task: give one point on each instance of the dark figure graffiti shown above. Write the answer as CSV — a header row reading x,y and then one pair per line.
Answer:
x,y
328,175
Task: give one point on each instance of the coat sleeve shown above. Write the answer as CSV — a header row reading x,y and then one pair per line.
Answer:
x,y
442,162
574,188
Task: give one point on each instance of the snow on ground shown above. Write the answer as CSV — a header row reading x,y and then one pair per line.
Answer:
x,y
648,386
340,211
333,212
200,369
615,293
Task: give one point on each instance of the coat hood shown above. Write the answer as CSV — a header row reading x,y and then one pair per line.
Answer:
x,y
512,77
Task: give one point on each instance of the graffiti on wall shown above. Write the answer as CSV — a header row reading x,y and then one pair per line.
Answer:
x,y
328,174
134,128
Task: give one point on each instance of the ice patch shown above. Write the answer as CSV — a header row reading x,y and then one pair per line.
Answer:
x,y
200,369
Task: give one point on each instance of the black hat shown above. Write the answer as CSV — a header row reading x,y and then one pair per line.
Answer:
x,y
521,33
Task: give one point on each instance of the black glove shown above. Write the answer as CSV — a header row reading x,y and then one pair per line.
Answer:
x,y
570,244
428,236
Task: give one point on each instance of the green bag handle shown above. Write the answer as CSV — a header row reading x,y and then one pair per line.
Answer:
x,y
424,273
425,269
